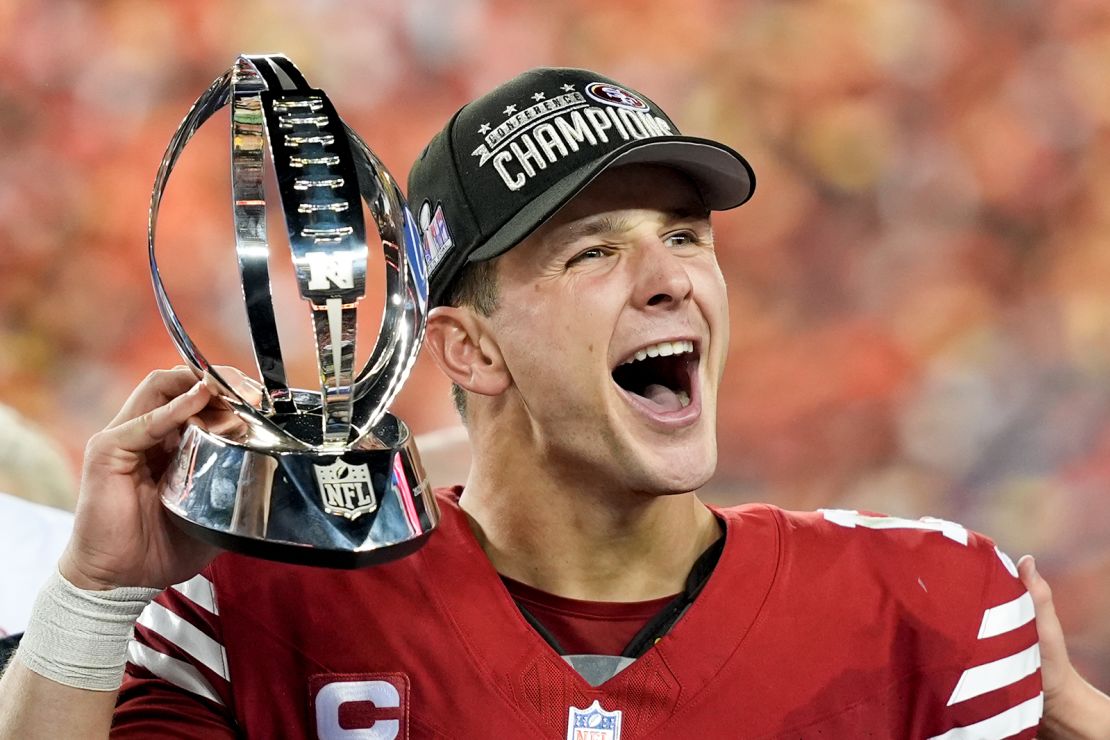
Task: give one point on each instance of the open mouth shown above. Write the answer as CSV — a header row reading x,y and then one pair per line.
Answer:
x,y
662,374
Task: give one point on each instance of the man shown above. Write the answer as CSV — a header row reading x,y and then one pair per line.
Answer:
x,y
577,588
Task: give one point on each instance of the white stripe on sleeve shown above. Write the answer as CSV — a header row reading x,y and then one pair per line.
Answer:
x,y
851,518
186,636
200,591
177,672
1010,722
1007,563
996,674
1006,617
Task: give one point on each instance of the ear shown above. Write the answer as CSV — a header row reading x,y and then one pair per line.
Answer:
x,y
466,351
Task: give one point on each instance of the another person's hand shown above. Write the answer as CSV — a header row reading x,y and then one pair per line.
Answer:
x,y
1072,707
122,536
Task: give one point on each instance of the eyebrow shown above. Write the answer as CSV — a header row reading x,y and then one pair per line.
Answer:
x,y
611,225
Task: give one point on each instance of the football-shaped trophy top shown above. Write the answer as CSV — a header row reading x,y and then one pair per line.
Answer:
x,y
311,478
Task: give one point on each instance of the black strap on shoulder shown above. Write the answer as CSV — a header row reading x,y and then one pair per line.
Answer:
x,y
662,622
537,625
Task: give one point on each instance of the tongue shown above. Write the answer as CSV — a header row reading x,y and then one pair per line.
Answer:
x,y
662,396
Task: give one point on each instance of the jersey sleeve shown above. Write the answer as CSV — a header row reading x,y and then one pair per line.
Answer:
x,y
972,623
177,682
997,693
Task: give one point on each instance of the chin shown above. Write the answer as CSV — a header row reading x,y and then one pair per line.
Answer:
x,y
680,478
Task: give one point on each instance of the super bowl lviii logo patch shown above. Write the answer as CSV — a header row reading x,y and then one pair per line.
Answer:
x,y
593,723
437,239
345,489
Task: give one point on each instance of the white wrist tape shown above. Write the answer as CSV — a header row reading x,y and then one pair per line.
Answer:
x,y
79,638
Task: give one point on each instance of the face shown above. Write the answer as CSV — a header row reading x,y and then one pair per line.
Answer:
x,y
613,323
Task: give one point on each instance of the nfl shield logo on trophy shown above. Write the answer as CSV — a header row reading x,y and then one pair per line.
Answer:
x,y
593,723
345,489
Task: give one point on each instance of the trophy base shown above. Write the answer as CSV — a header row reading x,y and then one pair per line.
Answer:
x,y
362,506
284,552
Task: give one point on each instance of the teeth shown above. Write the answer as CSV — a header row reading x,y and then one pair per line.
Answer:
x,y
683,398
663,349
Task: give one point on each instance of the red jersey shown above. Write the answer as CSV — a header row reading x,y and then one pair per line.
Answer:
x,y
831,624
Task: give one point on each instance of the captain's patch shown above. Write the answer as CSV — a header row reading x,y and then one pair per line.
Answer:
x,y
363,705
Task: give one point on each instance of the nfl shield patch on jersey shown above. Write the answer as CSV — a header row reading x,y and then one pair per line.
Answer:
x,y
593,723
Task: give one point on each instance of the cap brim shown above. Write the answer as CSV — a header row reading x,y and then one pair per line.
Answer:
x,y
724,178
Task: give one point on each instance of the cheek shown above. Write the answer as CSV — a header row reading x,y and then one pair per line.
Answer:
x,y
713,293
559,331
555,366
720,299
534,344
712,299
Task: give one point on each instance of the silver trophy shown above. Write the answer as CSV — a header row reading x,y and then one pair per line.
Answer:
x,y
321,477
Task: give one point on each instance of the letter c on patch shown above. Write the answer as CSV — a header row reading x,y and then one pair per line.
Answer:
x,y
333,695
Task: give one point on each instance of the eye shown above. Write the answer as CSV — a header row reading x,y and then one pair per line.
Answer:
x,y
683,239
592,253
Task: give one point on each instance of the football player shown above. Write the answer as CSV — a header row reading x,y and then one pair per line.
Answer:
x,y
577,587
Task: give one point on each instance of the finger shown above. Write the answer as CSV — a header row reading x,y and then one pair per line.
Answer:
x,y
155,390
154,426
1036,585
171,441
1048,624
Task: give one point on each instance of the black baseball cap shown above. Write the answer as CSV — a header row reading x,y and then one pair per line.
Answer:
x,y
507,161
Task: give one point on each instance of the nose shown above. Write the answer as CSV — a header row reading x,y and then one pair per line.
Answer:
x,y
661,276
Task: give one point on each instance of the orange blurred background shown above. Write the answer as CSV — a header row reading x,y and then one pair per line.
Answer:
x,y
920,288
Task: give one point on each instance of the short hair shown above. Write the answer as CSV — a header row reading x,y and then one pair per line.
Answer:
x,y
474,287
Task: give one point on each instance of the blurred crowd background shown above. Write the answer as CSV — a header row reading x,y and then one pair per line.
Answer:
x,y
920,288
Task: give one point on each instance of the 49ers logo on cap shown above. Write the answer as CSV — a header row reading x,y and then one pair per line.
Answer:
x,y
610,94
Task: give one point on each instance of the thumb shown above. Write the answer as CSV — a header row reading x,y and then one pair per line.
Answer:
x,y
1054,651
